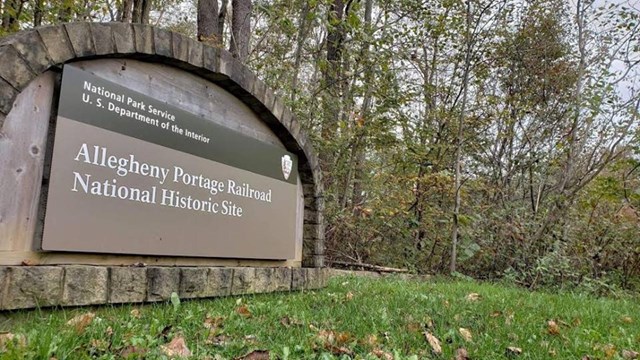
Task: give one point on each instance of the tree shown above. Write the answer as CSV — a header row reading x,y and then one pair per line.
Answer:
x,y
240,29
210,21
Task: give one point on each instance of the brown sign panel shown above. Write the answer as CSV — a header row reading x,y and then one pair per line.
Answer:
x,y
133,175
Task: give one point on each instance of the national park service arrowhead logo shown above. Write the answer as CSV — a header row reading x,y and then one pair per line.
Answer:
x,y
287,164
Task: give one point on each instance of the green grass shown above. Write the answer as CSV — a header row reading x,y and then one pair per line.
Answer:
x,y
395,311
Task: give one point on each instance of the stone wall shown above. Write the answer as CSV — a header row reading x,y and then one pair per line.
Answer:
x,y
24,287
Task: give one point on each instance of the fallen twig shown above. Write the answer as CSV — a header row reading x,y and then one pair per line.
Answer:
x,y
370,267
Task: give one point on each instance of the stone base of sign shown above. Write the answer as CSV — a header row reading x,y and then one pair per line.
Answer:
x,y
25,287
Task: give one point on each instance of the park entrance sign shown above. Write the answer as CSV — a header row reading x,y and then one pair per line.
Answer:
x,y
132,174
136,163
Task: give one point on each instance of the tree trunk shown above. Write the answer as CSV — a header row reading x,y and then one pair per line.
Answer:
x,y
38,12
221,21
208,22
125,14
335,38
240,29
361,143
302,35
141,9
459,140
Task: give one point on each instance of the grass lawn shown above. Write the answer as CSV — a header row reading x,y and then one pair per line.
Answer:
x,y
353,318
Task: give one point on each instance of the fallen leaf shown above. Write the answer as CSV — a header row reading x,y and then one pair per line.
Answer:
x,y
285,321
586,357
508,320
473,297
251,339
342,338
349,296
428,323
135,313
216,339
244,311
177,347
128,351
576,322
434,342
29,262
414,327
627,319
81,321
371,340
461,354
630,354
466,334
496,314
513,351
213,322
109,331
553,328
326,336
609,351
255,355
339,350
19,340
380,354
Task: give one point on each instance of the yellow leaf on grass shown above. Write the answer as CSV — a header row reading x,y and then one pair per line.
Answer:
x,y
256,355
466,334
553,328
371,340
513,351
349,296
630,354
609,351
343,337
462,354
326,336
434,342
508,319
473,297
6,338
176,348
216,339
213,322
135,313
81,321
244,311
130,351
381,354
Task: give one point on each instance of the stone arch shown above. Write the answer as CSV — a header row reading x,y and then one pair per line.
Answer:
x,y
36,51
